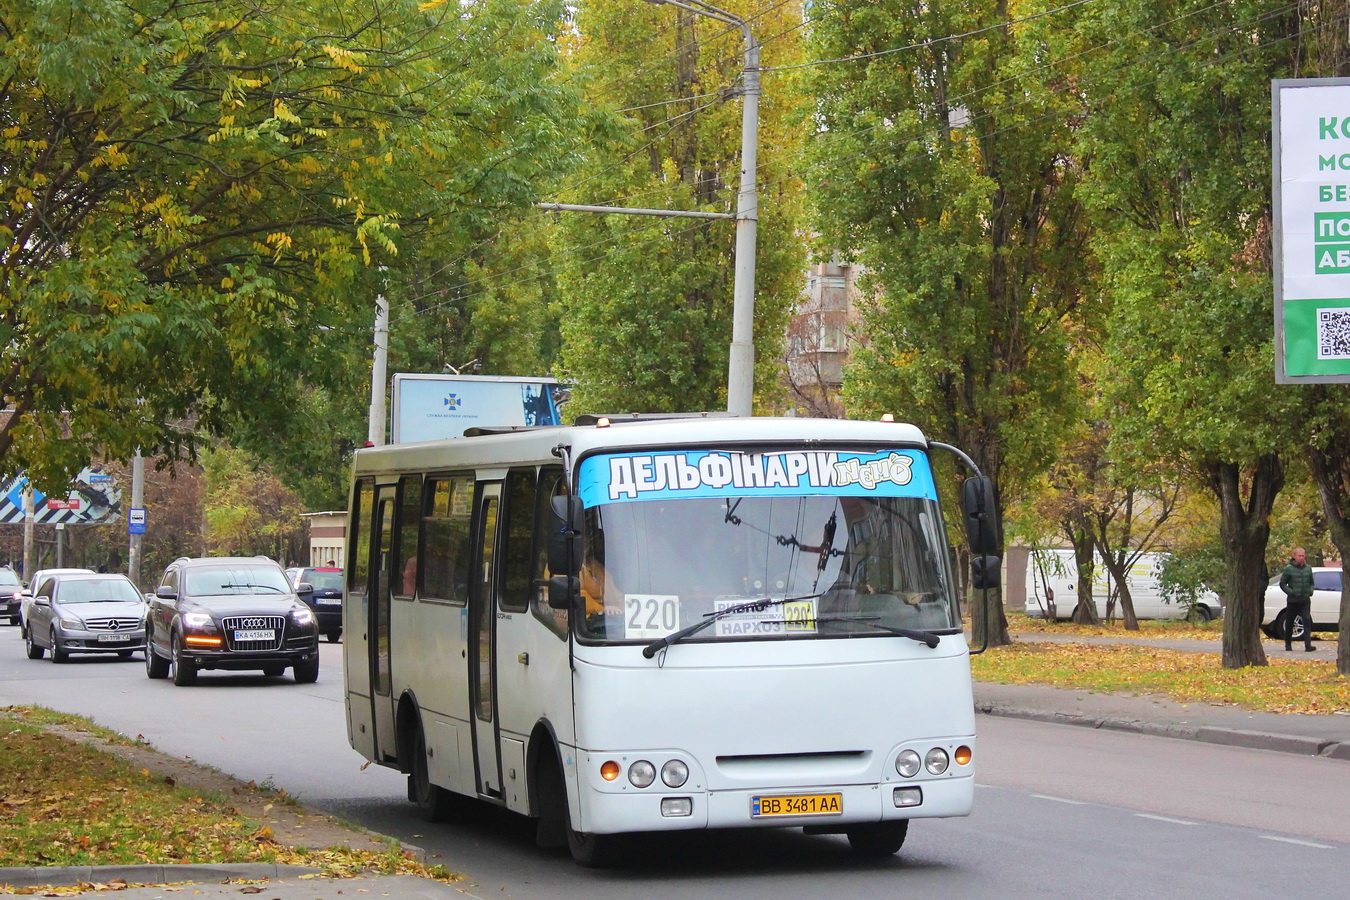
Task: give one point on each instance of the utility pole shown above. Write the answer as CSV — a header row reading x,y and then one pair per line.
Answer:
x,y
378,368
741,359
28,558
137,502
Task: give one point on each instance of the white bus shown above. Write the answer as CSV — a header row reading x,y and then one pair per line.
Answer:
x,y
658,624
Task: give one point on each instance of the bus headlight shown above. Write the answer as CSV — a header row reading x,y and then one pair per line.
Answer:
x,y
674,773
935,761
641,774
907,763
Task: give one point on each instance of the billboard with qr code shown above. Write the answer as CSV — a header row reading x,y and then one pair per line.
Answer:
x,y
1311,194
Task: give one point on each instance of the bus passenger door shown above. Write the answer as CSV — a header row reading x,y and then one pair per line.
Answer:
x,y
482,646
381,594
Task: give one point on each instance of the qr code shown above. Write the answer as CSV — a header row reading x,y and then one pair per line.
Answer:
x,y
1333,333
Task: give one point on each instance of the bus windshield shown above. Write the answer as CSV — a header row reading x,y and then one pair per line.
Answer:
x,y
840,560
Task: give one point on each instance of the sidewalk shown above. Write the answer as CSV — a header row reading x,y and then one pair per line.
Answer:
x,y
204,882
1287,732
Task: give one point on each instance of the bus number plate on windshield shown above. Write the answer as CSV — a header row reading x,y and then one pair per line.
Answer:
x,y
797,805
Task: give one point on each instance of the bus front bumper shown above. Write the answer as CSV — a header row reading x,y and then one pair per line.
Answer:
x,y
664,810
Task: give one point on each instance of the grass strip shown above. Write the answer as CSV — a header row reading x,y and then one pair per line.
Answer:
x,y
64,802
1284,686
1178,629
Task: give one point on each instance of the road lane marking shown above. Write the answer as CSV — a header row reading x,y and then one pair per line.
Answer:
x,y
1164,819
1060,799
1272,837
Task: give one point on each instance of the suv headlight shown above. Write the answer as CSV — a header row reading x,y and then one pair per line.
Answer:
x,y
302,615
199,620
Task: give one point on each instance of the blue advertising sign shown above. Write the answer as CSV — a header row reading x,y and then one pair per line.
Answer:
x,y
681,474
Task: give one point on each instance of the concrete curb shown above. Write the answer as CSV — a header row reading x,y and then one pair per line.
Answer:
x,y
1233,737
168,874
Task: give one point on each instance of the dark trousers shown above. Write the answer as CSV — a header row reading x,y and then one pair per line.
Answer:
x,y
1302,608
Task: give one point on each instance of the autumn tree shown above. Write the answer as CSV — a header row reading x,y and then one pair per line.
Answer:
x,y
1177,143
646,303
195,201
943,154
249,512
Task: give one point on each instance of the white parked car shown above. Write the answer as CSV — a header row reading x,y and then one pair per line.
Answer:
x,y
1326,605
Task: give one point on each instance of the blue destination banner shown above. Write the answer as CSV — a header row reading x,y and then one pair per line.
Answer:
x,y
688,474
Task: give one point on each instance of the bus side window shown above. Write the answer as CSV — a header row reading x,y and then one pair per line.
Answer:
x,y
409,522
358,530
516,558
551,484
446,552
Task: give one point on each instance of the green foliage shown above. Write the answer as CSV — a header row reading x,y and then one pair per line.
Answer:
x,y
1179,185
1185,576
645,304
248,511
192,199
962,204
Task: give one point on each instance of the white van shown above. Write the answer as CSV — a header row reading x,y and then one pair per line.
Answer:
x,y
1052,588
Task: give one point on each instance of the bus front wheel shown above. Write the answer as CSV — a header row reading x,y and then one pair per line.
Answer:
x,y
593,851
435,802
878,838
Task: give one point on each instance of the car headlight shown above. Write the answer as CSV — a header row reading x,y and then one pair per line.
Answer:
x,y
199,620
302,615
68,621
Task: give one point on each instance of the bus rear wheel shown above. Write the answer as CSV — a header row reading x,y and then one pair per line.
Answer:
x,y
878,838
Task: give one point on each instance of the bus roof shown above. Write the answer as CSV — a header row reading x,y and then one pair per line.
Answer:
x,y
522,446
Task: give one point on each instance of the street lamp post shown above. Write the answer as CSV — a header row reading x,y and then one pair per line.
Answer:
x,y
741,363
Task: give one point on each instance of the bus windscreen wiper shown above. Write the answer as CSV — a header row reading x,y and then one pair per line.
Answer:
x,y
923,637
759,605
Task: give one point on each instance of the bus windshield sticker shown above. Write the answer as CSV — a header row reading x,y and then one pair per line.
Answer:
x,y
647,616
680,474
792,617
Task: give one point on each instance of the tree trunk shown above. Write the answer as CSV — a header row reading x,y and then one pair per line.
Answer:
x,y
1331,473
996,621
1124,599
1085,613
1244,529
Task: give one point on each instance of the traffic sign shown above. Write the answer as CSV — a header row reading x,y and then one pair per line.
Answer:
x,y
135,521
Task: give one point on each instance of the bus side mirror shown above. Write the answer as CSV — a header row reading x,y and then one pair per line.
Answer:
x,y
984,572
564,539
561,590
977,503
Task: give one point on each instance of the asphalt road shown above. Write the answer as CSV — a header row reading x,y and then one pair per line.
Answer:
x,y
1061,811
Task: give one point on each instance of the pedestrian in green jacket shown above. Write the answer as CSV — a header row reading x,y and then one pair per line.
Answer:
x,y
1297,583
